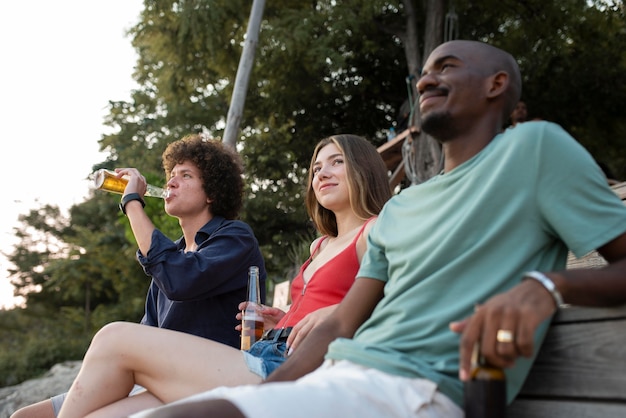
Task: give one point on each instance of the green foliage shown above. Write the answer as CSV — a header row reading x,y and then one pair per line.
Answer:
x,y
571,56
321,68
34,340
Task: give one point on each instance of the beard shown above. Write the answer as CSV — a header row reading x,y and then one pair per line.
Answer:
x,y
439,125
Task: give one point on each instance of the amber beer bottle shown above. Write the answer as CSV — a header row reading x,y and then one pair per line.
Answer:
x,y
251,321
108,181
485,392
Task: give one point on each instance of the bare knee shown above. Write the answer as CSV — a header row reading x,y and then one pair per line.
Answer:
x,y
41,409
107,339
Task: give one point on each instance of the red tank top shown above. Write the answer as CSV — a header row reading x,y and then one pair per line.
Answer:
x,y
327,286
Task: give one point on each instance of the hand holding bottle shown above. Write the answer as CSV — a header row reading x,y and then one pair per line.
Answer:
x,y
111,181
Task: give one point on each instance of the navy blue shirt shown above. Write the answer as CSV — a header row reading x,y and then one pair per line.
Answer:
x,y
198,292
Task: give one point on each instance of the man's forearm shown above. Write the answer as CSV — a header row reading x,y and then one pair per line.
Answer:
x,y
309,355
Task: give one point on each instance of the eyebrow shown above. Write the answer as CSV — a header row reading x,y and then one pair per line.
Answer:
x,y
440,60
182,171
330,157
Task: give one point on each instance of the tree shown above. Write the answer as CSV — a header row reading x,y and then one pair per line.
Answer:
x,y
243,74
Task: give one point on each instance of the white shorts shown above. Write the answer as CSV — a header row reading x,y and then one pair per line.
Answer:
x,y
337,389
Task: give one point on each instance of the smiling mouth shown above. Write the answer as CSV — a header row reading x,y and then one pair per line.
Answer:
x,y
431,95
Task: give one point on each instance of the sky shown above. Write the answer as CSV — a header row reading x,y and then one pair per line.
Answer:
x,y
62,61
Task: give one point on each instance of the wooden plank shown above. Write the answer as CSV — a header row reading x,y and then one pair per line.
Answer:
x,y
582,314
581,360
397,176
524,408
391,151
591,260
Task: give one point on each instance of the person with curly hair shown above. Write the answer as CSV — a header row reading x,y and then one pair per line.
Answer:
x,y
198,280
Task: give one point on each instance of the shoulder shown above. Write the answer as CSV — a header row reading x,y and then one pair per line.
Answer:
x,y
369,224
316,244
537,131
539,143
361,244
228,226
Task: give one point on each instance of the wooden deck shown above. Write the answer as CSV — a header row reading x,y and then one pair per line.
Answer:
x,y
392,154
581,368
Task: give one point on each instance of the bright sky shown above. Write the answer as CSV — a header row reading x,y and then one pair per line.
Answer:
x,y
62,61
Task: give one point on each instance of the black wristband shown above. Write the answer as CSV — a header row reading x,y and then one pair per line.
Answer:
x,y
129,198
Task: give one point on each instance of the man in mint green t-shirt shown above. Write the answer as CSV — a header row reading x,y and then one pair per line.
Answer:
x,y
446,261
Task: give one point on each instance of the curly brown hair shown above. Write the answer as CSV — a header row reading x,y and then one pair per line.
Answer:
x,y
221,168
368,181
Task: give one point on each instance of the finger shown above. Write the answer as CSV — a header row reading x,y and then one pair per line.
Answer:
x,y
458,326
469,338
525,338
293,336
497,331
506,343
304,328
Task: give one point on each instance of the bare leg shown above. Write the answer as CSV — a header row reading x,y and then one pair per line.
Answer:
x,y
198,409
127,406
41,409
169,364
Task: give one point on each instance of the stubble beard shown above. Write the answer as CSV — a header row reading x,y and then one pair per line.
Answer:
x,y
439,125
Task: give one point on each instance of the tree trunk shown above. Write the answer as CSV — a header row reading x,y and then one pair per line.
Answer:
x,y
423,157
246,62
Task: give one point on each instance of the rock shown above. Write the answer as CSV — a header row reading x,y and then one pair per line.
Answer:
x,y
57,380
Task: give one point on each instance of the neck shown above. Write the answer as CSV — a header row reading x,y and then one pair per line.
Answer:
x,y
347,222
190,227
462,148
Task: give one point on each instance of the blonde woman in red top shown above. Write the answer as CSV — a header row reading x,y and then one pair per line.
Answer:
x,y
347,187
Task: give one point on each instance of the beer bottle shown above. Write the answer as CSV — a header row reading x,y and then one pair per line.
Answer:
x,y
485,392
251,320
108,181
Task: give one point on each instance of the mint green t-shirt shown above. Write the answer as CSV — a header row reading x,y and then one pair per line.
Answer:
x,y
463,236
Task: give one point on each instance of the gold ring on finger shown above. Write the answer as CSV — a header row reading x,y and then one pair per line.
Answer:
x,y
504,336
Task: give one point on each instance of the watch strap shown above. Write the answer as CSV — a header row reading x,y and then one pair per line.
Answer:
x,y
129,198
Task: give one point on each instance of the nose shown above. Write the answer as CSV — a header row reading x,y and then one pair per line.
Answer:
x,y
322,173
172,182
424,81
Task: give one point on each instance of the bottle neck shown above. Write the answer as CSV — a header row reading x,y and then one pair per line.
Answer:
x,y
254,294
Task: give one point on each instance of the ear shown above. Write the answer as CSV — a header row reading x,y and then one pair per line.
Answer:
x,y
497,84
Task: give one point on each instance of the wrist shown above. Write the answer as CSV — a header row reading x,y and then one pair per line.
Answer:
x,y
548,284
127,198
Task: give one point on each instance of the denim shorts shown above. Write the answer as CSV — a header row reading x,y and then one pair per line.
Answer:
x,y
265,356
